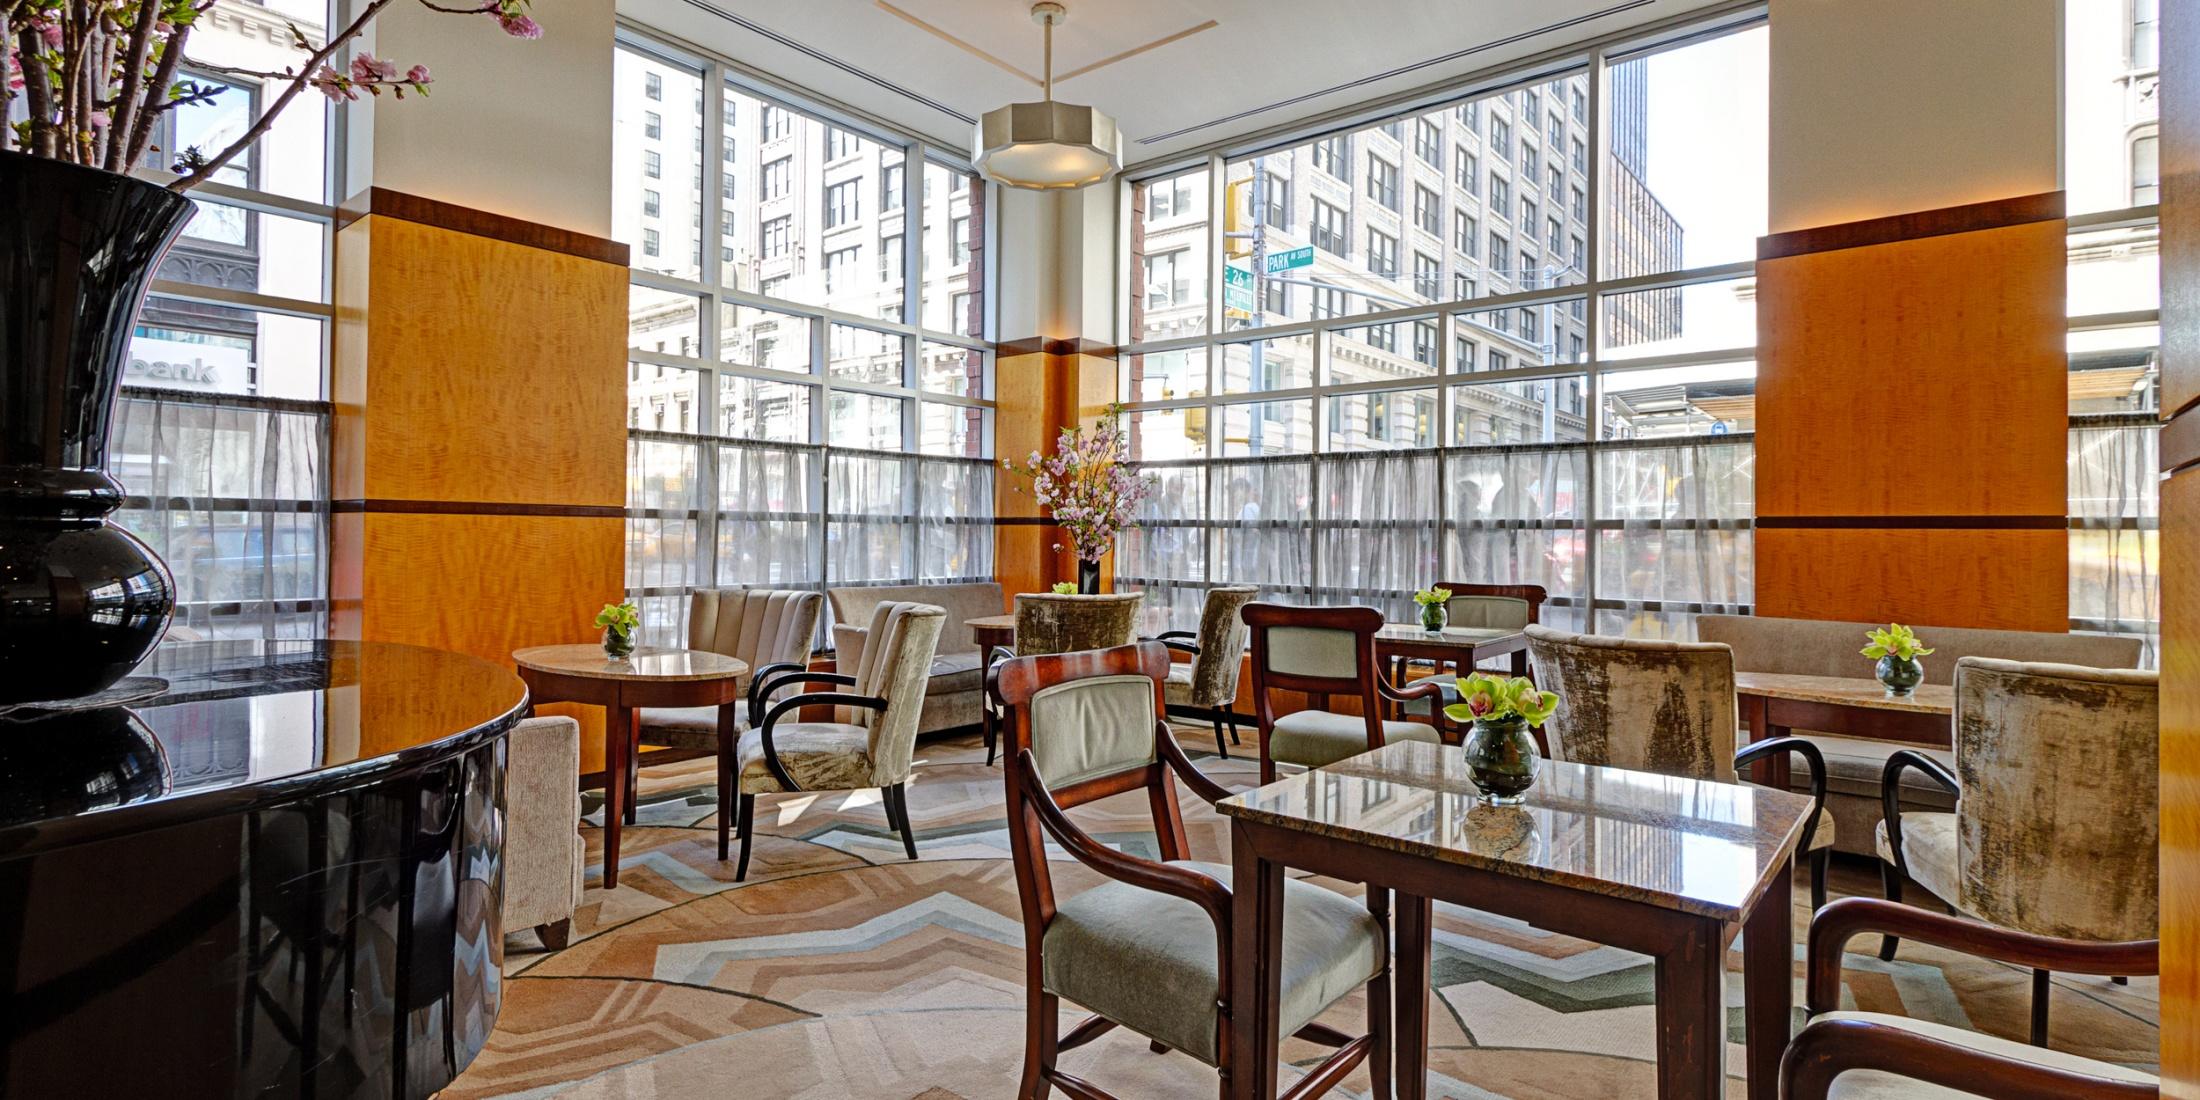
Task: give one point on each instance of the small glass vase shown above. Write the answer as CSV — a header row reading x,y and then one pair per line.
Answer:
x,y
1433,617
1900,676
1502,756
618,646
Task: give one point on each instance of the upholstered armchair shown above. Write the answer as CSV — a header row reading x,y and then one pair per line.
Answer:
x,y
1324,651
1149,948
2054,832
1206,686
772,630
1665,707
1869,1055
871,742
544,855
1049,623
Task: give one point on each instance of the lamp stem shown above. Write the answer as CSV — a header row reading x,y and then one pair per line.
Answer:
x,y
1049,69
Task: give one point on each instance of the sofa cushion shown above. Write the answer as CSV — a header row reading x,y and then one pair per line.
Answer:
x,y
1813,647
953,672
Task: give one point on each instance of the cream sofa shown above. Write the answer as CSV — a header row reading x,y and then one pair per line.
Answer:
x,y
1813,647
953,694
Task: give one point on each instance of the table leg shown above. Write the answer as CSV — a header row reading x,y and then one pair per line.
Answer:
x,y
618,727
1520,662
1691,992
1256,934
1410,979
1768,982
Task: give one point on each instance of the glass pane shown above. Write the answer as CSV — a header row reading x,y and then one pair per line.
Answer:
x,y
1540,335
289,159
1264,538
2116,270
947,368
1515,517
1375,353
179,345
863,355
664,321
1713,399
1268,428
872,516
801,216
1257,366
954,251
2111,81
864,421
657,175
1382,421
767,526
753,337
664,399
751,408
663,495
1673,536
1668,321
1686,186
1542,410
1169,257
2115,543
1163,376
2116,370
954,430
1167,435
1378,535
238,249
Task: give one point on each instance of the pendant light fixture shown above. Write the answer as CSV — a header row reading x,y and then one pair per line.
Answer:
x,y
1048,146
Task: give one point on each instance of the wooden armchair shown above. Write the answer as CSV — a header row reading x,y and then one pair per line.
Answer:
x,y
1325,651
1150,948
1857,1054
1047,622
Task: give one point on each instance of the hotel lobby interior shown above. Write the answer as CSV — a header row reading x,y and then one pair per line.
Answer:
x,y
950,549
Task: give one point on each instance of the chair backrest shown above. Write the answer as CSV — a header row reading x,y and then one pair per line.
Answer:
x,y
1494,606
897,660
1221,645
853,605
1048,623
1317,650
1665,707
758,625
2057,823
1813,647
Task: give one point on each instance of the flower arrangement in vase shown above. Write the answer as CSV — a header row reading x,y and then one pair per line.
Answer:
x,y
1501,753
1897,649
619,622
1435,604
1088,487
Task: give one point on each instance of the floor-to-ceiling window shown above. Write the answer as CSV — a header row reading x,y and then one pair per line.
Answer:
x,y
220,435
809,397
1506,336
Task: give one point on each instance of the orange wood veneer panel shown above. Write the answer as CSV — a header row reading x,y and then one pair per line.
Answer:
x,y
2009,580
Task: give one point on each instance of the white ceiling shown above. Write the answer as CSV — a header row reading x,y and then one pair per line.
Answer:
x,y
1261,54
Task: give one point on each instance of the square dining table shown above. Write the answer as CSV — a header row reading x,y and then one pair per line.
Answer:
x,y
1672,868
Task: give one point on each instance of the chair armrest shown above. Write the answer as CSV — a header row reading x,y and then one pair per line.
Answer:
x,y
806,699
764,685
1419,689
1212,897
1168,634
1180,647
1173,754
1814,762
1829,1048
1835,924
1890,793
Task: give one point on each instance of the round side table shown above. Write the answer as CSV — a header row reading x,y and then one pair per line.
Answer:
x,y
655,676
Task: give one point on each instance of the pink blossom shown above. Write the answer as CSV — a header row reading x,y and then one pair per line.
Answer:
x,y
327,81
519,26
418,74
368,69
51,32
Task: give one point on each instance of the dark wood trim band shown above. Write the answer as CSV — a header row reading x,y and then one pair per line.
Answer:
x,y
2180,442
1943,523
477,508
481,223
1970,218
1035,346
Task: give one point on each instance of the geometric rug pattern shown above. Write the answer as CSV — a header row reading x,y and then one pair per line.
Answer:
x,y
842,969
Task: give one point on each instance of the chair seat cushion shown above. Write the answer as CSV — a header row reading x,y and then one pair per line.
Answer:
x,y
1146,959
1928,853
1179,684
687,727
819,756
1880,1085
954,672
1315,738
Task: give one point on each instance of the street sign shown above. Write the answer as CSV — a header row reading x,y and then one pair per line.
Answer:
x,y
1285,261
1237,289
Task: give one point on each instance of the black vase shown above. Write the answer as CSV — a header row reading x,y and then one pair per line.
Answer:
x,y
1088,577
81,600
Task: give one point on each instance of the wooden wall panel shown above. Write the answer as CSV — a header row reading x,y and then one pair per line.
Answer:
x,y
2180,652
1039,393
2010,580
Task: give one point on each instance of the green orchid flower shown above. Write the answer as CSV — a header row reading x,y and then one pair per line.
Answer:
x,y
1428,596
1486,698
619,618
1895,640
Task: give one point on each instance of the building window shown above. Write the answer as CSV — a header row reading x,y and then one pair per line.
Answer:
x,y
1500,256
1470,114
653,86
775,236
1581,156
1171,197
1428,211
649,242
1382,181
890,258
1580,204
778,179
1465,232
840,143
889,189
839,264
653,164
2146,169
1328,302
1428,143
1334,156
1501,196
958,241
1557,237
2146,18
773,123
1531,165
1382,254
653,125
1462,288
1278,192
1558,182
1581,105
1329,229
1527,217
1468,174
1501,138
1276,297
843,203
1428,276
1382,337
652,204
1167,283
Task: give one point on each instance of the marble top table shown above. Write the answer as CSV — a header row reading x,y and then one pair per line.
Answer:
x,y
653,676
1665,866
992,630
1777,704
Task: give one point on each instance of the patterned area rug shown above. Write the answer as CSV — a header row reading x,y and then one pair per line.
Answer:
x,y
841,969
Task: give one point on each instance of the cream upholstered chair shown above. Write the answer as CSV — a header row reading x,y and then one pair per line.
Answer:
x,y
874,739
1665,707
772,630
1051,623
2055,828
544,854
1149,948
1206,686
1323,651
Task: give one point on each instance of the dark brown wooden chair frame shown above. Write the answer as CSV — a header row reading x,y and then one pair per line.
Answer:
x,y
1036,813
1826,1049
1370,686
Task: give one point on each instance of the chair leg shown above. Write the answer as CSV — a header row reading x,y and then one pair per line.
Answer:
x,y
1819,861
1157,1046
1890,882
2040,990
633,778
556,934
748,833
992,726
1230,716
2120,980
1379,1004
1041,1025
1221,745
897,815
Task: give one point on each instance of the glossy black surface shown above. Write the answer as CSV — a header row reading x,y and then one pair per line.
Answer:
x,y
81,602
281,876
